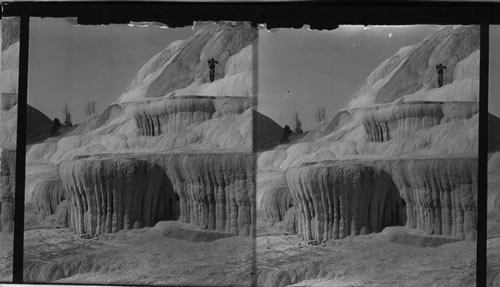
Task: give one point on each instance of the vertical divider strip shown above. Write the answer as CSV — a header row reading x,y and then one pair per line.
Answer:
x,y
22,102
482,184
255,93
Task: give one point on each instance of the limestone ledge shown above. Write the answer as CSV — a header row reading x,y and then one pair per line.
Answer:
x,y
170,115
400,120
107,193
336,199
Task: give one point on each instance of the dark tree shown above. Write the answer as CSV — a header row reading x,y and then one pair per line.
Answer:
x,y
90,108
320,115
298,124
56,126
287,133
67,116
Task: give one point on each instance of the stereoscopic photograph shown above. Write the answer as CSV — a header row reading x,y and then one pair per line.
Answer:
x,y
374,180
230,154
142,170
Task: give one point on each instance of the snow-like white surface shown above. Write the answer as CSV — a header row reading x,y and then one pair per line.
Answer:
x,y
468,67
235,85
379,78
182,68
466,90
10,69
8,127
232,132
348,140
407,76
156,63
241,62
412,69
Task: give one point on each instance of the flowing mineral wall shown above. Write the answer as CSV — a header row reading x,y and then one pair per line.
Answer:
x,y
215,190
110,193
340,200
48,194
387,130
277,200
274,197
405,119
114,193
172,115
44,189
440,194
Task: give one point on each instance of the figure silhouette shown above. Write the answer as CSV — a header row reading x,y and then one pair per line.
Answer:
x,y
211,64
440,70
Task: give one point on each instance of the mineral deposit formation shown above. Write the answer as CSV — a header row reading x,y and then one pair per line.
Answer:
x,y
173,115
343,199
276,201
47,196
440,194
396,121
348,197
110,194
215,190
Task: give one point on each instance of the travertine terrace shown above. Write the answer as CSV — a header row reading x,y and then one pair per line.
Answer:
x,y
110,194
403,143
440,194
173,115
175,146
403,120
211,190
343,199
216,191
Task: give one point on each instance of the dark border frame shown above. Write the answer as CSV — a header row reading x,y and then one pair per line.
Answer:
x,y
318,14
22,103
482,178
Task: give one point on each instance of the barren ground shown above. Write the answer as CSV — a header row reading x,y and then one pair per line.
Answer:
x,y
366,260
153,256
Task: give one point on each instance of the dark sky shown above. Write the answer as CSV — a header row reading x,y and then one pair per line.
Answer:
x,y
322,68
494,64
72,64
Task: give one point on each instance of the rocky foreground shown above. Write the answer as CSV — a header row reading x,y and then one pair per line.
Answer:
x,y
158,256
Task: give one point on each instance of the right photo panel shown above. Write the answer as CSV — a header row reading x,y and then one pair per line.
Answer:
x,y
369,177
493,244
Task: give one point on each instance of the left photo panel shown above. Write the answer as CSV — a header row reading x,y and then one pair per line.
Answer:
x,y
8,131
139,164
